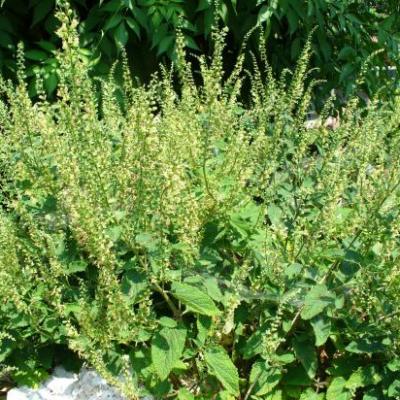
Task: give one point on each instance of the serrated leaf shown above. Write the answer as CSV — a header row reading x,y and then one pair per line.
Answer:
x,y
195,299
265,378
166,349
223,368
75,266
322,329
305,352
317,299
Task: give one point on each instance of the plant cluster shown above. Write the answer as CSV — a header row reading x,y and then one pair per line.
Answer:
x,y
347,33
191,248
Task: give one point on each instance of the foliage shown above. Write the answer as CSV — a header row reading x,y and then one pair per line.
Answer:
x,y
347,33
188,247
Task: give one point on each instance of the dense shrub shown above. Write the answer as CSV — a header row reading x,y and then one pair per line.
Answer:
x,y
194,247
347,33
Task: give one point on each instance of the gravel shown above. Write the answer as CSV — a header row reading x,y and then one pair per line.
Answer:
x,y
63,385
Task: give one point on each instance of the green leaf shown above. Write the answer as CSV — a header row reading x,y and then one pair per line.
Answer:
x,y
337,391
394,389
363,377
165,44
167,322
75,266
204,324
166,349
265,378
50,83
265,14
133,284
253,345
36,55
317,299
310,394
305,353
213,290
366,346
195,299
41,10
223,368
322,329
113,21
184,394
121,34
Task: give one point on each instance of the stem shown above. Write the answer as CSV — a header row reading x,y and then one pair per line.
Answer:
x,y
171,305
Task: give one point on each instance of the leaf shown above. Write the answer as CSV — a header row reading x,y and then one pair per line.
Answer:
x,y
36,55
113,21
317,299
264,378
223,368
204,324
165,44
253,345
121,34
133,284
265,14
50,83
75,266
167,322
310,394
305,353
184,394
166,349
322,329
394,389
336,390
41,10
363,377
366,346
213,290
195,299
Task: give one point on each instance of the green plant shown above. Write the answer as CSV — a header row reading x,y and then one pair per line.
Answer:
x,y
347,33
192,246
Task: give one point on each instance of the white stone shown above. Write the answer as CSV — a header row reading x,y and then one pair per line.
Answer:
x,y
63,385
23,393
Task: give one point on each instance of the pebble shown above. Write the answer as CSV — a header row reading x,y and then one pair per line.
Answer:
x,y
64,385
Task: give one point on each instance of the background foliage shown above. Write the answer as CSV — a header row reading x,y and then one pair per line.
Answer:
x,y
347,33
196,248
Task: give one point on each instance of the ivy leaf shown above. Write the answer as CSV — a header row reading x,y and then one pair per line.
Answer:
x,y
166,350
317,299
223,368
322,329
195,299
305,353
